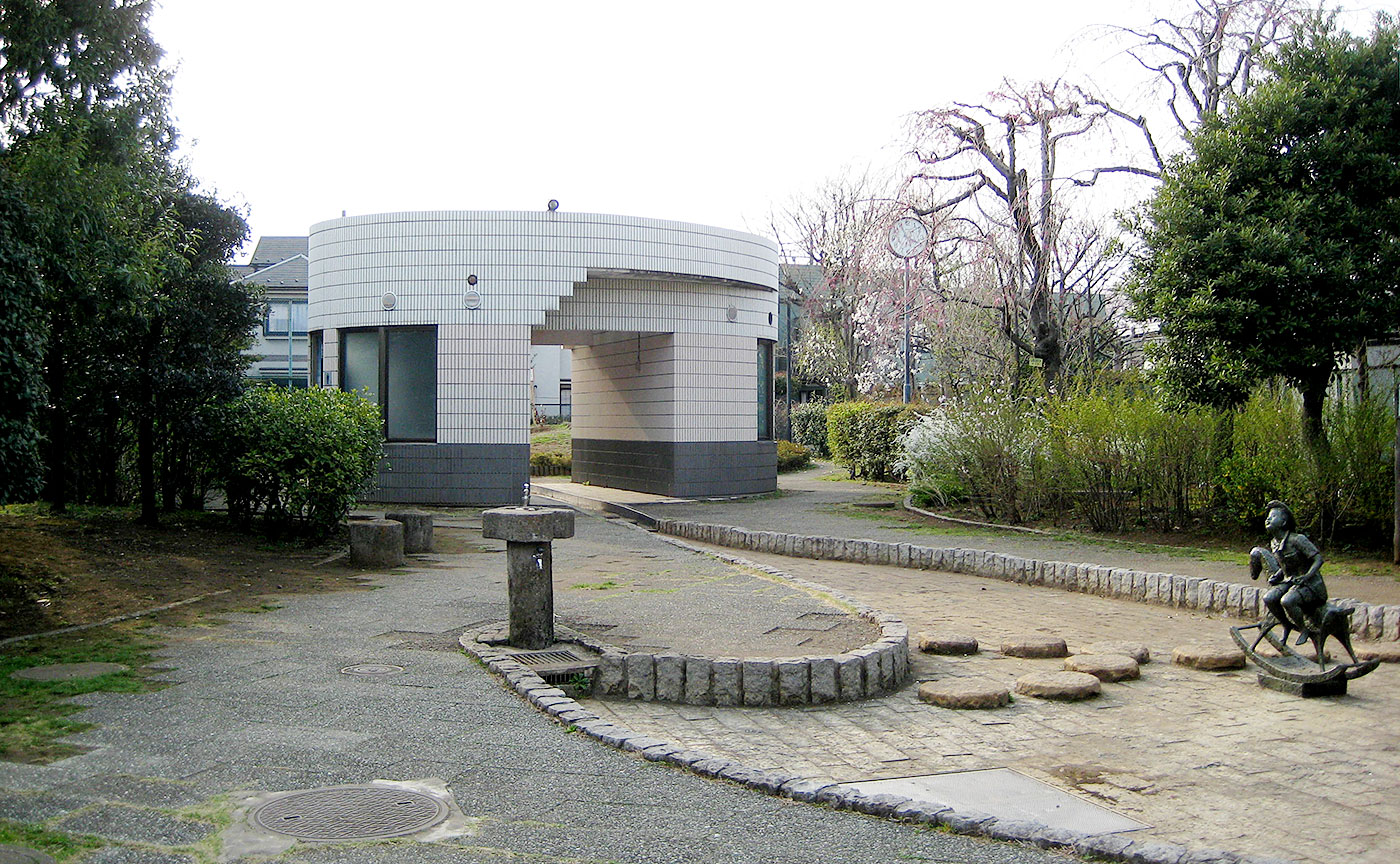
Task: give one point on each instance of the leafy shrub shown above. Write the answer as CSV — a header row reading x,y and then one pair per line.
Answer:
x,y
792,456
986,448
551,463
1361,436
840,427
1268,459
301,458
809,427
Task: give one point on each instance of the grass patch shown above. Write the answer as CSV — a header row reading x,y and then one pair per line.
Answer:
x,y
63,847
605,585
33,714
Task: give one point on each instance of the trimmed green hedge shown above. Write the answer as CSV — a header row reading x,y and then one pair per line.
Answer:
x,y
809,427
792,456
299,458
866,437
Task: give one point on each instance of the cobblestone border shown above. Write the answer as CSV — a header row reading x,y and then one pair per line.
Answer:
x,y
874,669
1112,847
1371,621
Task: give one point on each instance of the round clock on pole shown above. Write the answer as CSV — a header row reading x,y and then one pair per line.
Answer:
x,y
908,237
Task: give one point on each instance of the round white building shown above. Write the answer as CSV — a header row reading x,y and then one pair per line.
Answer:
x,y
672,328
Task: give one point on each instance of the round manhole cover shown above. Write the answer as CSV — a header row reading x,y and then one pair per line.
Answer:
x,y
350,813
372,669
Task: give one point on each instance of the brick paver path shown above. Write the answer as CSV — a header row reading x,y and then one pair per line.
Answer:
x,y
1208,759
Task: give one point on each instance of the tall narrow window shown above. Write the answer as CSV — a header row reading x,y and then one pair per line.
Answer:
x,y
765,390
397,366
411,407
315,358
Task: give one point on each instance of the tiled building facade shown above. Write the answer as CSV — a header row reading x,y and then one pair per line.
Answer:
x,y
672,328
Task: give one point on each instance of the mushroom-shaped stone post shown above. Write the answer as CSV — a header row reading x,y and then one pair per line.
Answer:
x,y
528,532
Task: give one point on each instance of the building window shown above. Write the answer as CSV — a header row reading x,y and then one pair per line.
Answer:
x,y
765,390
315,358
281,313
397,369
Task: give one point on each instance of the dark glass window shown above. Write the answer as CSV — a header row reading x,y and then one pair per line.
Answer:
x,y
765,390
397,368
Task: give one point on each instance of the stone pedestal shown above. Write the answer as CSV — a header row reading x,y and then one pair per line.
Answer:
x,y
417,529
376,543
528,532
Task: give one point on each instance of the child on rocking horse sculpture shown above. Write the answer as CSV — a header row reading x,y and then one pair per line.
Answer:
x,y
1295,571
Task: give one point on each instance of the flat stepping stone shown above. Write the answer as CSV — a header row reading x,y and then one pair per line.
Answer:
x,y
1388,652
1208,657
66,671
1035,646
1105,667
974,693
947,644
1062,686
1135,650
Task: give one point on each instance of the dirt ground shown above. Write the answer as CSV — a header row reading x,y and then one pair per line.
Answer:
x,y
95,566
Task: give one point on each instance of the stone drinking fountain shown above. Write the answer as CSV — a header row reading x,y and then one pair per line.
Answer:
x,y
529,532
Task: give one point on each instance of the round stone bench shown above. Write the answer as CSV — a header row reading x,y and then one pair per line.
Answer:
x,y
1211,658
1061,686
965,693
376,543
1108,668
1034,647
417,529
946,643
1135,650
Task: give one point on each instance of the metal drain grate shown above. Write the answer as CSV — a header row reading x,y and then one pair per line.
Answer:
x,y
350,813
546,658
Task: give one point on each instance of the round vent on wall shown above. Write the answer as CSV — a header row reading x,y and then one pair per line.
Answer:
x,y
389,300
732,313
471,299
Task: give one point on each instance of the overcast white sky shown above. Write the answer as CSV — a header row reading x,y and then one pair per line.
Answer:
x,y
712,112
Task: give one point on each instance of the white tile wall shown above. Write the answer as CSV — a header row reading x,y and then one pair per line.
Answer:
x,y
533,271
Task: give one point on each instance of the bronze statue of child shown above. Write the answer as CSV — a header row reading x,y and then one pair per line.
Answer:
x,y
1295,571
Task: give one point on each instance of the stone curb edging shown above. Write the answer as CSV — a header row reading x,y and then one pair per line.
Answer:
x,y
1371,621
872,670
556,704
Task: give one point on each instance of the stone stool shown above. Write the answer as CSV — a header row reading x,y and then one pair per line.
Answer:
x,y
417,529
1105,667
376,543
946,643
1062,686
1034,646
965,693
1208,657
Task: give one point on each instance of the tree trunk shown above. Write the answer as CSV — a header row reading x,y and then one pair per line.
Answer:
x,y
146,430
55,375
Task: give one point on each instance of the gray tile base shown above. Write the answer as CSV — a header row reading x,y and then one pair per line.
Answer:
x,y
706,469
452,474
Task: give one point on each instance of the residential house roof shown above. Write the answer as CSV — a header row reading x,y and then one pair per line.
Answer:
x,y
274,250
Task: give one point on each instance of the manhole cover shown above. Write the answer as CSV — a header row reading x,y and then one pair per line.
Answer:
x,y
350,813
372,669
22,855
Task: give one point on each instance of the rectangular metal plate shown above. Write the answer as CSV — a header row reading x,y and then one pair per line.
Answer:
x,y
1006,794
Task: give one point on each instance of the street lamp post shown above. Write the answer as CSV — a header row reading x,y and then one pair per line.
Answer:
x,y
908,239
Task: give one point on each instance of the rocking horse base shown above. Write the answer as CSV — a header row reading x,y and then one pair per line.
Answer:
x,y
1307,689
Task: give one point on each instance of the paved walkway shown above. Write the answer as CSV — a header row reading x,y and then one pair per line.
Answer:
x,y
1207,759
262,703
